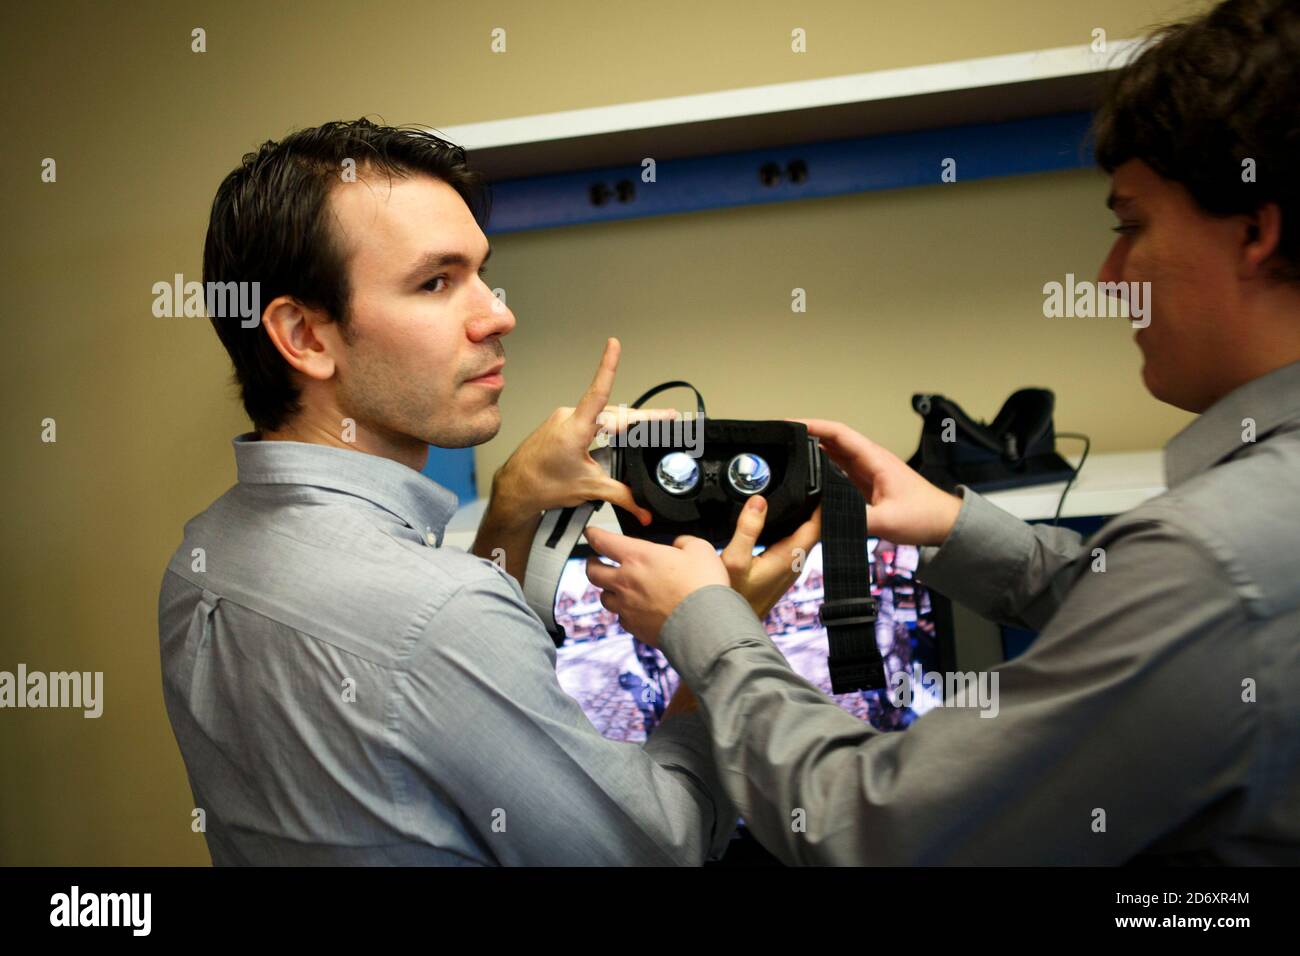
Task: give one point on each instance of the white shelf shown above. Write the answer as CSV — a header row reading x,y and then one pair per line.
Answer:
x,y
985,89
1109,484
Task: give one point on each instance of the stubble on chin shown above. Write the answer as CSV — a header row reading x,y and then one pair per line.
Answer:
x,y
465,432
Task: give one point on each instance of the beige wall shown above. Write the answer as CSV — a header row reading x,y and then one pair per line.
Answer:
x,y
932,289
921,289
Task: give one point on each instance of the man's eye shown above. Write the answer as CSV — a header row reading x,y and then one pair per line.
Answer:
x,y
1125,228
432,284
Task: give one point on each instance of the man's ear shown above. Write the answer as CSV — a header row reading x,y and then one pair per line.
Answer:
x,y
1263,233
295,331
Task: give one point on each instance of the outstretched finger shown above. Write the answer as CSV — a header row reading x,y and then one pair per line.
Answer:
x,y
597,395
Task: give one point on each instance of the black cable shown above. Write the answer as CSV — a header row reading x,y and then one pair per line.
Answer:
x,y
1087,444
699,399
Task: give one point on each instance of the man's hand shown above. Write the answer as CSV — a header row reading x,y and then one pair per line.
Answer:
x,y
764,579
652,579
901,505
553,468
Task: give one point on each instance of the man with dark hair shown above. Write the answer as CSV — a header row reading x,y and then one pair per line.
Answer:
x,y
272,223
1155,717
343,688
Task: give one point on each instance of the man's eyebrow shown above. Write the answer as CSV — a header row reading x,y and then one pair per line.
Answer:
x,y
433,261
1116,199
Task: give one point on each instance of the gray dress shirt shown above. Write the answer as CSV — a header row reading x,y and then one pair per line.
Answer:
x,y
1156,716
346,691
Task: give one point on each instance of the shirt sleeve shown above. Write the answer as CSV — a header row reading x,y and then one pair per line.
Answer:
x,y
1001,567
1122,722
483,715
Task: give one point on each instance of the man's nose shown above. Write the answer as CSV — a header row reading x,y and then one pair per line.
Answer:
x,y
493,317
1110,268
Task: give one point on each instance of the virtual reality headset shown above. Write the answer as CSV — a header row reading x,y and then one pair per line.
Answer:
x,y
694,475
698,480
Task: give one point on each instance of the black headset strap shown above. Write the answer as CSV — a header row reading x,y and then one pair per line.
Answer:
x,y
699,399
848,611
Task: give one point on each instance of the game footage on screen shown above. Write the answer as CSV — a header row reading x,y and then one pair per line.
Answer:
x,y
624,685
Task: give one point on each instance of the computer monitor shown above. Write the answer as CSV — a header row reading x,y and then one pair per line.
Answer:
x,y
623,685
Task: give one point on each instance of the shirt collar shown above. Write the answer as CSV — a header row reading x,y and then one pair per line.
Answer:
x,y
1268,401
418,500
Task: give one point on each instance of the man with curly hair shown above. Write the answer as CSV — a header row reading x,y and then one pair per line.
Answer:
x,y
1156,716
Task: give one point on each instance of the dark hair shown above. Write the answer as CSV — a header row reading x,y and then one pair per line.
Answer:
x,y
1207,95
269,225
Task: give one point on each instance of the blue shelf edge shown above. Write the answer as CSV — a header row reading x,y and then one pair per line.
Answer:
x,y
836,167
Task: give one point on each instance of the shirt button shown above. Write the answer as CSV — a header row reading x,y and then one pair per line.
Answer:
x,y
432,539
